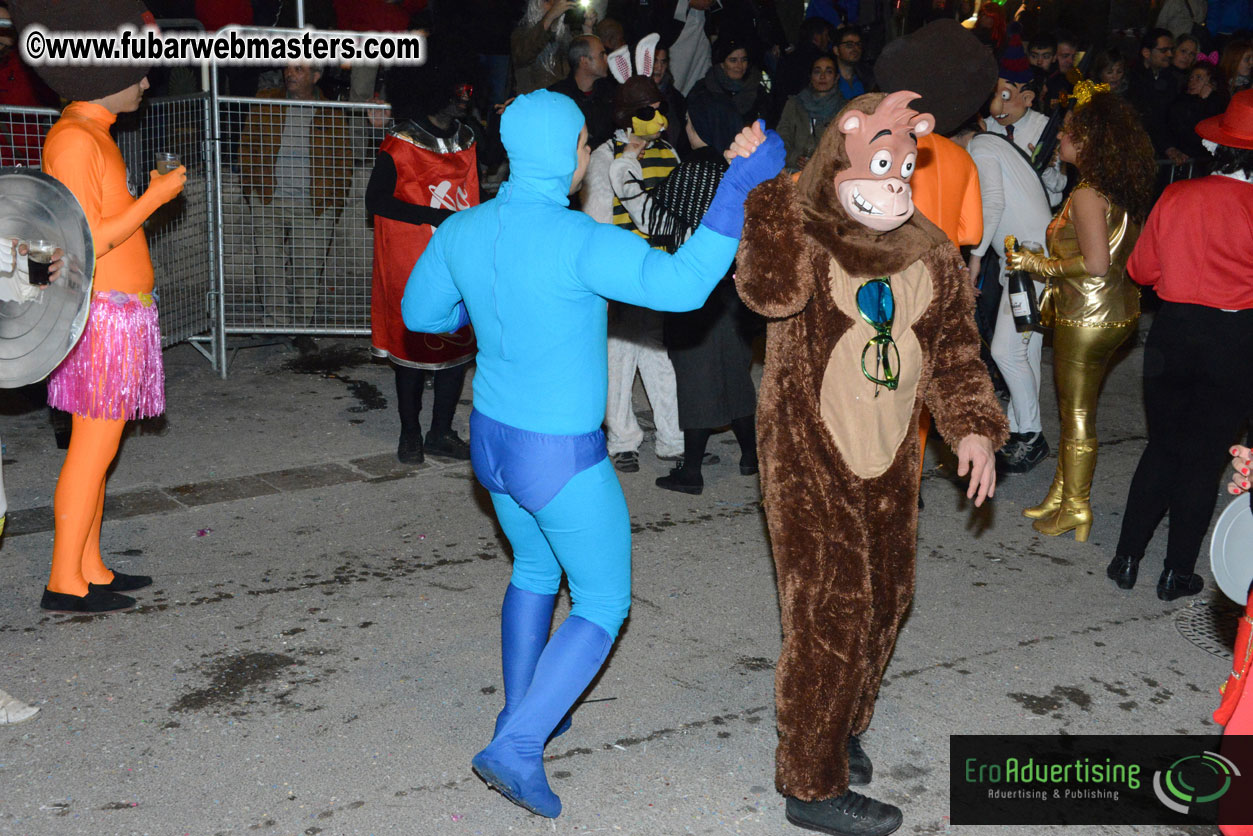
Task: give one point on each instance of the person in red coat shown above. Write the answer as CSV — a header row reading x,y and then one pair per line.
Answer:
x,y
217,14
427,168
20,139
1194,252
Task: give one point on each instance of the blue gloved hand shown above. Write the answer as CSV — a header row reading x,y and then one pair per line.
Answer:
x,y
726,213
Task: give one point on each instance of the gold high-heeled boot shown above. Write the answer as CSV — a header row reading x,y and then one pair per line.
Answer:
x,y
1078,459
1052,499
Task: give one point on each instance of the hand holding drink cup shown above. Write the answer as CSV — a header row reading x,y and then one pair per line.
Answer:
x,y
44,260
39,255
167,162
167,179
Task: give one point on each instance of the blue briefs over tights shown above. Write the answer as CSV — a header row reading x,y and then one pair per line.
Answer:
x,y
529,466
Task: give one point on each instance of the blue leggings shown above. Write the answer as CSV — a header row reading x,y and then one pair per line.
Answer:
x,y
585,530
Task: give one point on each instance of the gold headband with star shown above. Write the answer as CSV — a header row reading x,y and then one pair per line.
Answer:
x,y
1085,90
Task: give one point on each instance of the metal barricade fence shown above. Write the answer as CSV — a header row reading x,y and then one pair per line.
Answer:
x,y
22,132
1169,172
179,234
296,244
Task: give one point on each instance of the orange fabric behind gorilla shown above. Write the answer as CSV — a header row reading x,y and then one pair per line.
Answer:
x,y
946,190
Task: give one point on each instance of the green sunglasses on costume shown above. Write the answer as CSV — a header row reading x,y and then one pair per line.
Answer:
x,y
877,306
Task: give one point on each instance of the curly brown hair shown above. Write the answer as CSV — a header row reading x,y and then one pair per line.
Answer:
x,y
1114,153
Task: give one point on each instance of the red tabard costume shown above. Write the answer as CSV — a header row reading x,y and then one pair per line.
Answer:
x,y
426,177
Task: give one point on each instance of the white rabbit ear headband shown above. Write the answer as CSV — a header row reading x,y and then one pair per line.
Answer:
x,y
645,51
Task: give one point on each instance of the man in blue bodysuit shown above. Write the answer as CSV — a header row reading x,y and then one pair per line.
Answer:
x,y
533,276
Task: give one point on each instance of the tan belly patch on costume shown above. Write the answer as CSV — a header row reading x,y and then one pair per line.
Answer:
x,y
867,428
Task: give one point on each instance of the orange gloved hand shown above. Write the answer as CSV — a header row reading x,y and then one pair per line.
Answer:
x,y
165,187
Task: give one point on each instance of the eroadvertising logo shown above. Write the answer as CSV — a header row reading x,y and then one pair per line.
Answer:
x,y
1099,779
1194,780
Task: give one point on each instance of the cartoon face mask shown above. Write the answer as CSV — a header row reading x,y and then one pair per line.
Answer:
x,y
882,149
648,122
1010,102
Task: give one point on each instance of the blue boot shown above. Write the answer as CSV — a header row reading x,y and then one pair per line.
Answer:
x,y
513,763
525,619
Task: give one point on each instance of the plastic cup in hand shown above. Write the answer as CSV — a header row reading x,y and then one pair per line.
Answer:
x,y
167,162
39,255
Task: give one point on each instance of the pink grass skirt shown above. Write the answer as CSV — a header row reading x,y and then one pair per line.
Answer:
x,y
115,370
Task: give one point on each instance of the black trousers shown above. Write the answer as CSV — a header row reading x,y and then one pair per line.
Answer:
x,y
1198,373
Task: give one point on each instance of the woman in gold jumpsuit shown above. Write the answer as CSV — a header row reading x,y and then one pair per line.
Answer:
x,y
1096,306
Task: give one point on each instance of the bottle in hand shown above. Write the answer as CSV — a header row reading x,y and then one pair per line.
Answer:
x,y
1021,289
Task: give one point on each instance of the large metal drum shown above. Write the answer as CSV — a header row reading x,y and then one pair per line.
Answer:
x,y
39,326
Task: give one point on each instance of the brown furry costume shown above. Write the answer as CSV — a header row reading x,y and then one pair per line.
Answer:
x,y
840,463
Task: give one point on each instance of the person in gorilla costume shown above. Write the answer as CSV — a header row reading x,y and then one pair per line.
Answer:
x,y
871,317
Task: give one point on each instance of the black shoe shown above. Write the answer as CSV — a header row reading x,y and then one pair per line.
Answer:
x,y
628,461
409,451
748,466
850,814
682,481
447,444
1172,584
123,583
706,458
1123,570
859,767
1030,451
1011,446
97,599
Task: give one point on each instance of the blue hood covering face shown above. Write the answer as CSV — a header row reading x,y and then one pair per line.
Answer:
x,y
541,132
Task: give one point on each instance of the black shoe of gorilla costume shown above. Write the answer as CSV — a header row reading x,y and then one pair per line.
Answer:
x,y
859,767
850,814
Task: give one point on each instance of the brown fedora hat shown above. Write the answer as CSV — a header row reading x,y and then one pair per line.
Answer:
x,y
947,66
83,82
1234,126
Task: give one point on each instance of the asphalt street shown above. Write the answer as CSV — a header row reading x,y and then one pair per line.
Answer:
x,y
319,654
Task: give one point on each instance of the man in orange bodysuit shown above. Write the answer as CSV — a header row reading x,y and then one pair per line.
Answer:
x,y
953,74
114,373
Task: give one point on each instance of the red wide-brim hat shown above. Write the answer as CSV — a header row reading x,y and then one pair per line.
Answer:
x,y
1234,126
83,82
